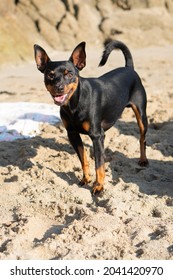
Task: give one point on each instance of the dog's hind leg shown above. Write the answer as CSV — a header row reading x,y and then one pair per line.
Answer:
x,y
141,117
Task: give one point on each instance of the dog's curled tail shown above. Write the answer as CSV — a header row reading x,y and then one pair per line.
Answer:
x,y
117,45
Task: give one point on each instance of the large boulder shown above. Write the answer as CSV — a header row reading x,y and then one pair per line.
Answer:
x,y
61,24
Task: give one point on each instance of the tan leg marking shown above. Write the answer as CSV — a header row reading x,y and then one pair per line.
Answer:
x,y
86,126
100,175
85,166
143,159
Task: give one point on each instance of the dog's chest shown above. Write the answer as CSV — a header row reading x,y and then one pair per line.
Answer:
x,y
78,119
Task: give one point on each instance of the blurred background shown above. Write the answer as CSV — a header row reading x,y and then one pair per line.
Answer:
x,y
61,24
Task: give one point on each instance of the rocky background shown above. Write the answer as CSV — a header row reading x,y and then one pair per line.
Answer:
x,y
61,24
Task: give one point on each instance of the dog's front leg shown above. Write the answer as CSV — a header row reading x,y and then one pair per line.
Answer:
x,y
77,144
98,144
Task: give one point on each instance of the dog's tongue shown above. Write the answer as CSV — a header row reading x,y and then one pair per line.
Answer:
x,y
60,98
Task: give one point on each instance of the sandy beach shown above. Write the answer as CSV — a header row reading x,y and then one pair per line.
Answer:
x,y
45,214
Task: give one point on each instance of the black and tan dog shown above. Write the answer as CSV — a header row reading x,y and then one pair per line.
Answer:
x,y
92,105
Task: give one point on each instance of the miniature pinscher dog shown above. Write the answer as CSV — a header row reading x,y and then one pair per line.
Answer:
x,y
92,105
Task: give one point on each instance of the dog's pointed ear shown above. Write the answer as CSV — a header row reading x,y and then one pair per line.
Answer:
x,y
78,56
41,58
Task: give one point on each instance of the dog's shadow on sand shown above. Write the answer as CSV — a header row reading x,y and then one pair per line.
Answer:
x,y
155,179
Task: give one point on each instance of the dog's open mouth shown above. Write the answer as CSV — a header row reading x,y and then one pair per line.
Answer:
x,y
60,99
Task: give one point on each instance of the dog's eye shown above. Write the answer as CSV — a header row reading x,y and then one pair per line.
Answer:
x,y
51,75
68,75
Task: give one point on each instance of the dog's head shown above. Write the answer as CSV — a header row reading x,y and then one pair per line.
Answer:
x,y
61,77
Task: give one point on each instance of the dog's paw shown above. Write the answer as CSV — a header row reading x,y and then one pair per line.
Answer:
x,y
143,163
97,188
85,180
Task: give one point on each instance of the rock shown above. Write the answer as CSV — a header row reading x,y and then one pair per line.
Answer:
x,y
52,12
64,23
146,28
68,31
89,20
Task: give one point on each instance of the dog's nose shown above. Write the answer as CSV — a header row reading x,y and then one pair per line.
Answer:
x,y
60,88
